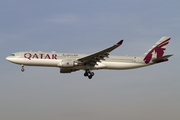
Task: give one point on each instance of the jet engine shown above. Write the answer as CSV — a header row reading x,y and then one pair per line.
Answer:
x,y
66,70
67,64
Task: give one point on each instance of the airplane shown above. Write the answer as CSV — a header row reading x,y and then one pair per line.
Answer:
x,y
71,62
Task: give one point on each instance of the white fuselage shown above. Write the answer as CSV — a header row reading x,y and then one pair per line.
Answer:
x,y
56,59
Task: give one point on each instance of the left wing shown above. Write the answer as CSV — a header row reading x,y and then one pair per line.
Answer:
x,y
96,57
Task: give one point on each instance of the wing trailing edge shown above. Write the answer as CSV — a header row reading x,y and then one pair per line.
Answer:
x,y
96,57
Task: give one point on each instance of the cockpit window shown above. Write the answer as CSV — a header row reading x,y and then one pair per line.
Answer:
x,y
12,55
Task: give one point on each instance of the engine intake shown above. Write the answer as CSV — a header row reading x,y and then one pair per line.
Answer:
x,y
67,64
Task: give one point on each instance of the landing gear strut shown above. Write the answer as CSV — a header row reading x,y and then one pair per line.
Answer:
x,y
22,69
89,74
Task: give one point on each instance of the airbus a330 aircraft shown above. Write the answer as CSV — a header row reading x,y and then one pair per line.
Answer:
x,y
71,62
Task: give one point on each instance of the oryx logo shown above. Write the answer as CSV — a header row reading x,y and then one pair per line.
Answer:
x,y
67,63
157,51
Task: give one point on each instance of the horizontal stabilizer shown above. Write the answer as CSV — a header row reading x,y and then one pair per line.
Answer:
x,y
161,59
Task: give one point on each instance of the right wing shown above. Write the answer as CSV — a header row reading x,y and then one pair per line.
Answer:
x,y
96,57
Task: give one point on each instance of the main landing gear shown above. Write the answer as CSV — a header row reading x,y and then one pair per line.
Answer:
x,y
22,69
89,74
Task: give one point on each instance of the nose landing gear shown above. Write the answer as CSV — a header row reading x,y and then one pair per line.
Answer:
x,y
22,69
89,74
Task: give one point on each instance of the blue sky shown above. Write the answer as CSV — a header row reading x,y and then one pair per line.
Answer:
x,y
84,26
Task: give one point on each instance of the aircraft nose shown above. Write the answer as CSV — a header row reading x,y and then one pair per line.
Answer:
x,y
8,58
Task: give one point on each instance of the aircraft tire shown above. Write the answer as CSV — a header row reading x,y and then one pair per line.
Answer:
x,y
90,77
22,70
85,74
92,73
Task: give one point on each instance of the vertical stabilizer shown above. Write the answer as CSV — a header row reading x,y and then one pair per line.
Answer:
x,y
157,50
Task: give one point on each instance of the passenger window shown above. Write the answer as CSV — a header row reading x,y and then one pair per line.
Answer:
x,y
12,54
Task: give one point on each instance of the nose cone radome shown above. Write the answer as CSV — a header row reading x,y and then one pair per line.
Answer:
x,y
9,58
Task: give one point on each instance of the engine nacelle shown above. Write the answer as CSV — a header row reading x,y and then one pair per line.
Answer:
x,y
66,70
67,64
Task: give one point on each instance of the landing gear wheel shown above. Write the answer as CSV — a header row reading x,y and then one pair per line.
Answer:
x,y
22,69
92,73
85,74
89,76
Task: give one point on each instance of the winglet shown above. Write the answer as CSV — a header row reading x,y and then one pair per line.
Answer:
x,y
120,42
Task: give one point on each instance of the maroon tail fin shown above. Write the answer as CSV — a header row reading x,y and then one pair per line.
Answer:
x,y
157,50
